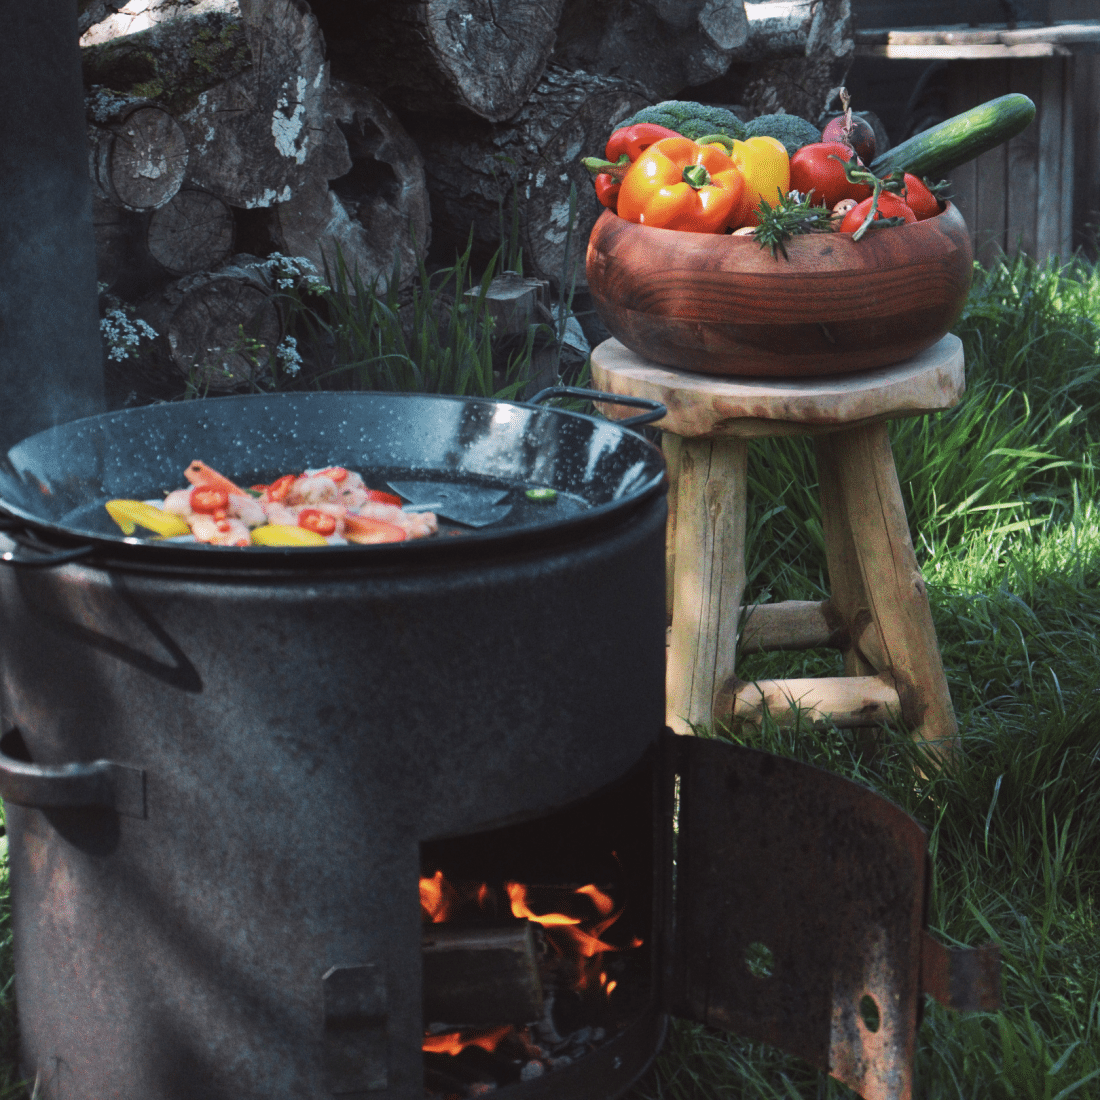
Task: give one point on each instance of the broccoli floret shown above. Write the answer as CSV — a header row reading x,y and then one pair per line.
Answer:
x,y
693,120
793,131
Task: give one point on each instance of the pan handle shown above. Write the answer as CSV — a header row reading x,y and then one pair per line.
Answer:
x,y
25,558
657,411
119,787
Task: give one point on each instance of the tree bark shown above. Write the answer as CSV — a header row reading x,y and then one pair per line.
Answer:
x,y
479,172
479,56
193,232
137,152
665,45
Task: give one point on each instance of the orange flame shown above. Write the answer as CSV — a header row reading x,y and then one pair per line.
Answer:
x,y
437,897
455,1042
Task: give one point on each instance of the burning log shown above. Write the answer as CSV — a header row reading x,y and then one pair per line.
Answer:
x,y
137,152
481,976
477,169
428,55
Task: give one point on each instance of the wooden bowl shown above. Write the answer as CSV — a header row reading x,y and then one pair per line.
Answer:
x,y
720,304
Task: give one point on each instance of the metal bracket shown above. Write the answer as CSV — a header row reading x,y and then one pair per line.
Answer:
x,y
964,978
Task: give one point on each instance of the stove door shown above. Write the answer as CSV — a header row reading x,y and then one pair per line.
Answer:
x,y
798,915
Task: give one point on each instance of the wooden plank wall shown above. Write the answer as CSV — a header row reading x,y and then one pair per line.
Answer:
x,y
1020,195
1086,140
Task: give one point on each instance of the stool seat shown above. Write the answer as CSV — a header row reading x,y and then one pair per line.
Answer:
x,y
877,613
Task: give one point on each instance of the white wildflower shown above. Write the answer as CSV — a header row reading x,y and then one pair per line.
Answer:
x,y
288,355
123,335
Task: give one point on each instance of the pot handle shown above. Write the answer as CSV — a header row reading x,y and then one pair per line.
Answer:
x,y
119,787
657,411
22,556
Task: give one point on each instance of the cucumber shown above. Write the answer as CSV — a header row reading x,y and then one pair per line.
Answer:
x,y
936,151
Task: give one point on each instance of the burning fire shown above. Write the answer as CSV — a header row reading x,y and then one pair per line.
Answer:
x,y
575,938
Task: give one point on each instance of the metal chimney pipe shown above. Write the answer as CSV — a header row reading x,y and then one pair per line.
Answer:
x,y
51,364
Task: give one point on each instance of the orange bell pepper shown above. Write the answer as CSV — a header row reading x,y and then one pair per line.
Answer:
x,y
677,184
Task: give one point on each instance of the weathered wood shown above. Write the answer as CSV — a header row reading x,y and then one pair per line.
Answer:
x,y
702,405
710,576
792,624
137,152
721,304
192,232
846,701
867,486
665,45
436,55
477,171
219,329
481,977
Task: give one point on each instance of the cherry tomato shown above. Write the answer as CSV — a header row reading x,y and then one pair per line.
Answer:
x,y
382,498
889,206
208,500
320,523
816,168
919,198
280,488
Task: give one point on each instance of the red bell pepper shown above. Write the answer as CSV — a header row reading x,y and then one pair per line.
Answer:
x,y
629,142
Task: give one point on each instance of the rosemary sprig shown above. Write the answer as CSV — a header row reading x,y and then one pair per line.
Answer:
x,y
792,215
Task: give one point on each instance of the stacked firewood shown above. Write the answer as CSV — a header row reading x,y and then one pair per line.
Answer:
x,y
224,131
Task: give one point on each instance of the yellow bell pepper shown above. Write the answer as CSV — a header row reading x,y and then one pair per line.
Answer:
x,y
766,168
128,514
279,534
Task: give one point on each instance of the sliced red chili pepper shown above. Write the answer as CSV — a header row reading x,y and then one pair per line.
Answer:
x,y
279,489
209,500
334,473
382,498
320,523
258,488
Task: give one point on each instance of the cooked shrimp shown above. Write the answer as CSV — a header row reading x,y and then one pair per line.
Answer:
x,y
179,502
198,473
247,509
219,532
313,490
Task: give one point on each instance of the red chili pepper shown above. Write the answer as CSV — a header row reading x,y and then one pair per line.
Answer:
x,y
258,488
365,530
382,498
208,500
320,523
334,473
279,489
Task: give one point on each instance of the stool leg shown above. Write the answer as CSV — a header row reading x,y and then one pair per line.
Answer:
x,y
710,576
869,498
670,446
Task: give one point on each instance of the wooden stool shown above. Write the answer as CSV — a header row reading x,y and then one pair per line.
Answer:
x,y
878,612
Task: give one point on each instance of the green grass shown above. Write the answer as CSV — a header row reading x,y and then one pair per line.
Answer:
x,y
1004,502
1002,496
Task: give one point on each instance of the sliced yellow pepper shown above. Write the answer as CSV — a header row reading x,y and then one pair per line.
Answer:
x,y
282,534
128,514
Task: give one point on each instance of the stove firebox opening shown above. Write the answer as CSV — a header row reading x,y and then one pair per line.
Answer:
x,y
537,941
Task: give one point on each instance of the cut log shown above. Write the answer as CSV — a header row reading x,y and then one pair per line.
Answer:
x,y
377,215
248,88
666,45
476,171
137,152
192,232
219,329
481,977
429,55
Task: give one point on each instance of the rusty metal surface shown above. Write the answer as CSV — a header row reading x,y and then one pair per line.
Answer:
x,y
799,895
299,737
964,978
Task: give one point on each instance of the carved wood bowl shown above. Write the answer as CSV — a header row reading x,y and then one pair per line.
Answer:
x,y
720,304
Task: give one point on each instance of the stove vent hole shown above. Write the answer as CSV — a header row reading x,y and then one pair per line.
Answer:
x,y
869,1013
760,960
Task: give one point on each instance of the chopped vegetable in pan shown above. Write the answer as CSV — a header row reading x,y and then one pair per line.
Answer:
x,y
325,507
